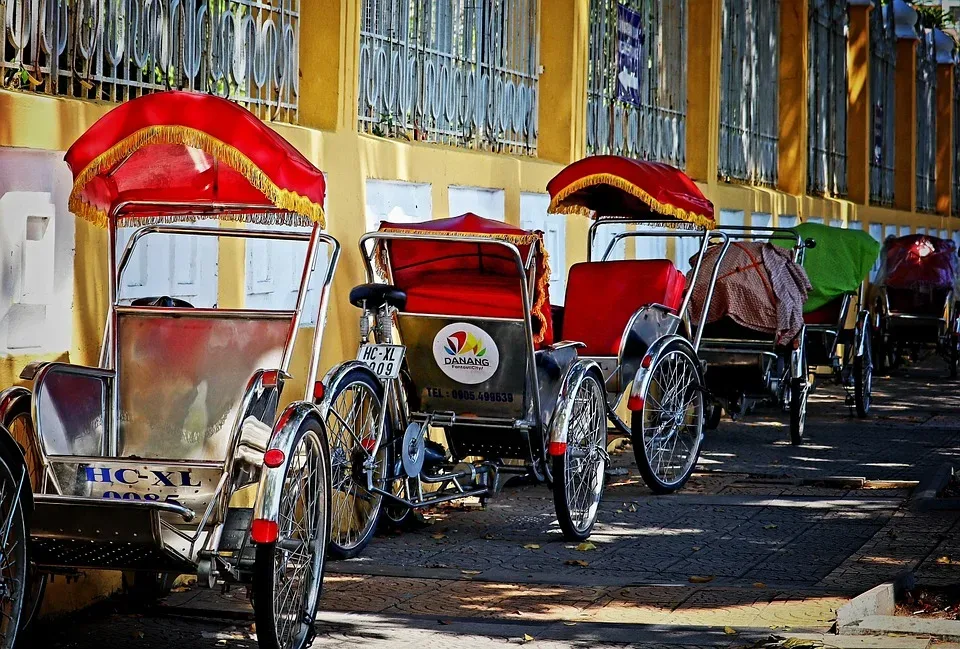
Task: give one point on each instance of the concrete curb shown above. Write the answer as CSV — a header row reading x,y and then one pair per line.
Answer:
x,y
872,614
878,601
924,497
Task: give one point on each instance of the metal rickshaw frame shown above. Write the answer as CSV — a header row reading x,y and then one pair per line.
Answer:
x,y
892,330
263,379
857,351
546,395
80,518
658,346
720,353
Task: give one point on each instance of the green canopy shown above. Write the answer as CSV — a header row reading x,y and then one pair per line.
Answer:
x,y
838,264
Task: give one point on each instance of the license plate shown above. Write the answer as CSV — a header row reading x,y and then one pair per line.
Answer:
x,y
384,360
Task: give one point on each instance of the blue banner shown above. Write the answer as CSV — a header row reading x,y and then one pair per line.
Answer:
x,y
629,49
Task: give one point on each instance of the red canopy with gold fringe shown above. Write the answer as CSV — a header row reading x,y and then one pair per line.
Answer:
x,y
186,147
444,276
608,186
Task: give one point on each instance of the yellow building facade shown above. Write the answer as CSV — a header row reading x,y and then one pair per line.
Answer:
x,y
328,134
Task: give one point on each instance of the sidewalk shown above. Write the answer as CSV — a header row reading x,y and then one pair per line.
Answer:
x,y
762,541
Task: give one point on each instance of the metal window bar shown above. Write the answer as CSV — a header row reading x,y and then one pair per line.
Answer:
x,y
114,50
926,122
883,62
656,128
457,72
827,101
749,84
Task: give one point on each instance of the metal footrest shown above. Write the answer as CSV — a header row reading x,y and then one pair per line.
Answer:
x,y
115,535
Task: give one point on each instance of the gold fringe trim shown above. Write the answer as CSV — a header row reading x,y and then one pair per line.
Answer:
x,y
284,199
543,283
557,207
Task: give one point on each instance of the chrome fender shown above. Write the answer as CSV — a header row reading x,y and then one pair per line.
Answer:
x,y
559,423
641,380
267,507
863,322
10,396
333,378
798,357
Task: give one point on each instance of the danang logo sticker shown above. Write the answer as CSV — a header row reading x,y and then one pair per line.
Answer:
x,y
466,353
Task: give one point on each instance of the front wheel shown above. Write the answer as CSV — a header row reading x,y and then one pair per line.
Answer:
x,y
358,458
288,573
18,421
799,392
668,428
578,473
863,378
14,560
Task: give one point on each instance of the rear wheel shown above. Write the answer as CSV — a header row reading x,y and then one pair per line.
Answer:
x,y
19,423
668,429
288,573
14,559
578,474
863,378
354,432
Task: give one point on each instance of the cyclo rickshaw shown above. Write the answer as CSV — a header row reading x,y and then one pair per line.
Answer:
x,y
633,317
838,268
915,307
480,359
754,342
169,457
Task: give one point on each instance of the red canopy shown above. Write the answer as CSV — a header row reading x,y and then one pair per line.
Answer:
x,y
455,278
617,187
193,148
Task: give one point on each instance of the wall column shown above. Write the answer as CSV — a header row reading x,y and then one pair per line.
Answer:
x,y
564,52
329,64
794,27
704,36
905,129
859,126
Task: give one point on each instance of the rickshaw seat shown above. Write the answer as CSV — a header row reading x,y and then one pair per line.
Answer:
x,y
602,296
376,295
828,314
466,293
917,302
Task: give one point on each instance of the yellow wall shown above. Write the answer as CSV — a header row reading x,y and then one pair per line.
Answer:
x,y
328,137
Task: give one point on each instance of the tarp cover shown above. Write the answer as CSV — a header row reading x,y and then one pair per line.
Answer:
x,y
918,262
445,276
759,287
837,265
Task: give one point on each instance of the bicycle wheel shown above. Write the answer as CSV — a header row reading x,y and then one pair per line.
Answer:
x,y
19,423
668,430
353,431
863,378
14,559
288,573
578,473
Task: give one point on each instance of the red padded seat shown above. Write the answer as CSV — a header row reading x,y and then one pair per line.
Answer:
x,y
603,295
471,294
828,314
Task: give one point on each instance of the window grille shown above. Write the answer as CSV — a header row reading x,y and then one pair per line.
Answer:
x,y
827,102
749,81
883,62
114,50
650,124
458,72
926,122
